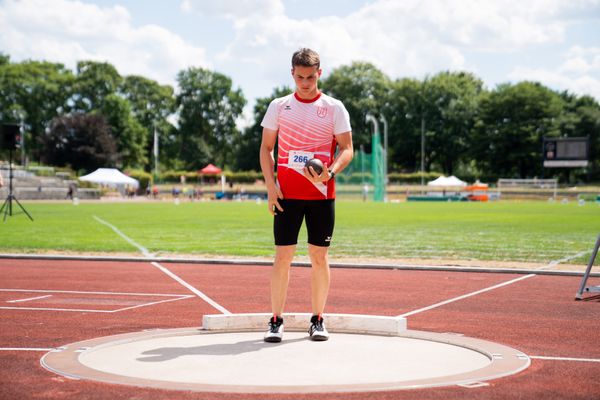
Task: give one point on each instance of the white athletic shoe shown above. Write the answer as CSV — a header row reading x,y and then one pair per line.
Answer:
x,y
317,329
275,332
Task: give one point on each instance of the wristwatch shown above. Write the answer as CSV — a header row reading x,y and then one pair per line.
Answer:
x,y
331,174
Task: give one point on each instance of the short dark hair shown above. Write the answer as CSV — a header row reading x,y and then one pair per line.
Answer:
x,y
306,57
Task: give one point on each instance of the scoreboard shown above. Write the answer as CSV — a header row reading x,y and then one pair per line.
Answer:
x,y
566,152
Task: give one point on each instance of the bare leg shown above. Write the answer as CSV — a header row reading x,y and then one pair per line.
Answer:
x,y
280,277
320,277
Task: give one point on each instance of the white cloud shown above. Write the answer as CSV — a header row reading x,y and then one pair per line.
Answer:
x,y
403,38
70,31
580,84
579,73
234,8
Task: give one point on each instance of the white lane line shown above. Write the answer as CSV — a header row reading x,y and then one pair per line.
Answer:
x,y
82,292
141,248
554,263
176,298
29,299
192,289
153,303
25,349
597,360
466,296
56,309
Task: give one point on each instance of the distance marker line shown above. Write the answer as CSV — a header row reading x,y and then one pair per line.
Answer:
x,y
192,289
29,299
466,296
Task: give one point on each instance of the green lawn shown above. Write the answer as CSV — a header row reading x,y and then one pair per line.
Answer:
x,y
508,231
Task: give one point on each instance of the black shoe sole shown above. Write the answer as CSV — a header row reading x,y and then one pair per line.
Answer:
x,y
273,340
318,338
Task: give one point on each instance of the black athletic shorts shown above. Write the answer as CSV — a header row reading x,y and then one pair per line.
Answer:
x,y
320,218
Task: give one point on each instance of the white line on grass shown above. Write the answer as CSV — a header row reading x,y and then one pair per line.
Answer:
x,y
554,263
146,253
466,296
597,360
29,299
141,248
192,289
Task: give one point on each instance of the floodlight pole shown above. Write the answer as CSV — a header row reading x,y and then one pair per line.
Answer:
x,y
385,148
22,141
155,153
422,151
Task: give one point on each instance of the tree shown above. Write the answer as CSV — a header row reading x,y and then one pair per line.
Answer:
x,y
81,141
4,59
151,104
450,107
403,113
508,134
94,82
248,145
363,89
33,92
127,131
208,108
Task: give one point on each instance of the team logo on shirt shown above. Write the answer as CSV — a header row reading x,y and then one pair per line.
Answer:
x,y
287,108
321,112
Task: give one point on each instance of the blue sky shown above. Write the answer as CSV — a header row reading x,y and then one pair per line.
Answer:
x,y
556,42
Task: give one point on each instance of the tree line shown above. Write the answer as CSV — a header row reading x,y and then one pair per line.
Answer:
x,y
94,117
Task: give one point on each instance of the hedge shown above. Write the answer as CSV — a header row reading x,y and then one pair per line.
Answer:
x,y
193,177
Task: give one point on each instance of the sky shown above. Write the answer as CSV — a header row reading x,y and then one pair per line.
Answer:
x,y
555,42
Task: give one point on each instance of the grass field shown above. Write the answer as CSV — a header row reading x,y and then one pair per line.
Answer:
x,y
503,231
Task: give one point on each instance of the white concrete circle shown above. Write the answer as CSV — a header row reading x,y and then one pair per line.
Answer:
x,y
240,361
245,359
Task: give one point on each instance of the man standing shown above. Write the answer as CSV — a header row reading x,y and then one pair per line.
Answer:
x,y
308,124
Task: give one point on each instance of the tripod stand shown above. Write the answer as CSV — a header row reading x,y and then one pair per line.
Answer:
x,y
7,206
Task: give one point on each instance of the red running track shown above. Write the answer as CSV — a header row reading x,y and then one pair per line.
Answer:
x,y
67,301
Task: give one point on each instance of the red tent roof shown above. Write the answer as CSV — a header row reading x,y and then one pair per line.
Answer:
x,y
210,170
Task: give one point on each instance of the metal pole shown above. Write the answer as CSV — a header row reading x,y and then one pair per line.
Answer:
x,y
155,153
22,140
422,152
385,146
385,156
370,118
362,165
584,279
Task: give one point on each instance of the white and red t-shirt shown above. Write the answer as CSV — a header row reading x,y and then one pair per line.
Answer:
x,y
306,129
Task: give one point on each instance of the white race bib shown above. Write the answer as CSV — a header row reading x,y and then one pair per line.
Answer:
x,y
297,158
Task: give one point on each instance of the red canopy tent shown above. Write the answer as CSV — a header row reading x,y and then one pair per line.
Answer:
x,y
210,170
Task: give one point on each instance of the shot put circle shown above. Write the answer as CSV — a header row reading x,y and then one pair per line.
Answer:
x,y
238,360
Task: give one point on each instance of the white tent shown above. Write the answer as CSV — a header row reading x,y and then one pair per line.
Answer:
x,y
446,181
110,177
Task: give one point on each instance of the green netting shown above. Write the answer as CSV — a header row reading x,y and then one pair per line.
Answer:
x,y
378,168
366,171
359,172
